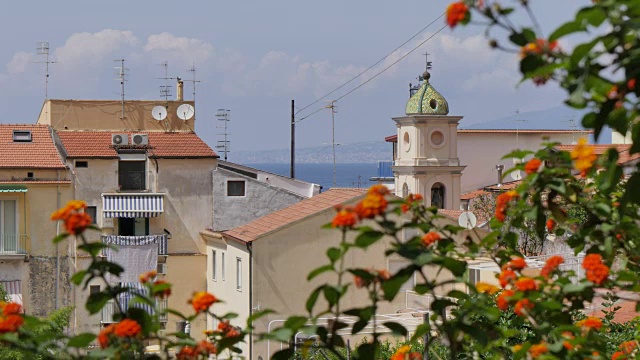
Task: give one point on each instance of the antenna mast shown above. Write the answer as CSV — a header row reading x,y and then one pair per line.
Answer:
x,y
518,121
224,115
165,90
193,80
121,75
42,48
332,106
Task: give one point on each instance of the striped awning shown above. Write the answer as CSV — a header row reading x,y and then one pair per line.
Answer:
x,y
12,188
132,205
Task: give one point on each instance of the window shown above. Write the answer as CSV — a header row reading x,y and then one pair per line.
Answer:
x,y
93,212
22,135
213,265
82,164
133,226
94,289
238,274
9,227
222,265
235,188
30,175
132,175
474,276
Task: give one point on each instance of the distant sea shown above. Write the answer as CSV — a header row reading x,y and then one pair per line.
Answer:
x,y
347,175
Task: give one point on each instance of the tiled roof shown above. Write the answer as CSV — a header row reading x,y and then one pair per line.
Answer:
x,y
39,153
97,144
37,182
469,195
394,138
294,213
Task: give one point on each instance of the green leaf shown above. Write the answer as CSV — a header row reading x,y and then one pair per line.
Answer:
x,y
368,238
575,288
333,253
313,298
81,341
531,63
295,322
396,328
96,302
285,354
331,294
318,271
393,285
142,317
78,277
566,29
93,248
594,16
60,237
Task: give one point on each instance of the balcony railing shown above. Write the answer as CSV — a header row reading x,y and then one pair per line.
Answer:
x,y
384,171
132,240
13,244
110,309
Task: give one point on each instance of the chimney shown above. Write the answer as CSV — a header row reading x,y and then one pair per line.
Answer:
x,y
500,168
180,90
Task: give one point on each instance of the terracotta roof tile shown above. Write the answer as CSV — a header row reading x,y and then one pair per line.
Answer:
x,y
97,144
39,153
294,213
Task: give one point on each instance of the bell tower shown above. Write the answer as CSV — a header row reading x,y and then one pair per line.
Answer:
x,y
427,151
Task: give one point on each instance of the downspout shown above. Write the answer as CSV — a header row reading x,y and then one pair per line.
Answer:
x,y
58,245
250,250
74,251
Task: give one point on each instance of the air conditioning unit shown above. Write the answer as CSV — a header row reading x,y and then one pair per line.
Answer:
x,y
140,139
162,268
119,139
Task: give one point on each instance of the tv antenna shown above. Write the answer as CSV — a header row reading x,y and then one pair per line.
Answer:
x,y
518,121
574,126
224,115
165,90
121,73
193,80
332,106
42,48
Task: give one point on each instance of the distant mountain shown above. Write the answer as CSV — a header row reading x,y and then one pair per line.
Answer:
x,y
366,152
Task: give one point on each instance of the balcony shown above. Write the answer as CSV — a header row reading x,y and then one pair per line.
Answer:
x,y
163,249
385,173
13,244
110,309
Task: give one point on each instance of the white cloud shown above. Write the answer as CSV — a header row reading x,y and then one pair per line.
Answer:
x,y
18,63
90,48
186,50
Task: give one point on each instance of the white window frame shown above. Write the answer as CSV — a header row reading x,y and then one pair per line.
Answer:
x,y
213,265
239,274
15,216
226,188
222,270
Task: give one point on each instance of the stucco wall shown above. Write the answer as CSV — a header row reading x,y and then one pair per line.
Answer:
x,y
187,274
481,152
260,199
282,260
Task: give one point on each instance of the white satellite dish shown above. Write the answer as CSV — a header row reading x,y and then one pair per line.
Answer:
x,y
516,175
159,113
185,112
467,220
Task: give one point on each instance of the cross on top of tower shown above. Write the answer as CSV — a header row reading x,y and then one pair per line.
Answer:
x,y
427,62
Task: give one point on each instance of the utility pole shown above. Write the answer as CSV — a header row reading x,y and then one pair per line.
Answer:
x,y
332,106
292,169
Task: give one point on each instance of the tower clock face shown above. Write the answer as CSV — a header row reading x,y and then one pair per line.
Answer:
x,y
406,142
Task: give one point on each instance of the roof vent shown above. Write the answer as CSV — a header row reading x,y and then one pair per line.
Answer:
x,y
22,135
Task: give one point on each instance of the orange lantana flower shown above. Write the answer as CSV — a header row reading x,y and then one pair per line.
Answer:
x,y
162,293
522,306
584,156
345,218
409,201
103,336
401,352
551,264
202,300
10,308
483,287
456,13
127,328
502,300
517,263
538,349
225,328
373,204
590,323
532,166
148,276
596,271
526,284
506,276
539,47
502,202
551,225
430,238
10,323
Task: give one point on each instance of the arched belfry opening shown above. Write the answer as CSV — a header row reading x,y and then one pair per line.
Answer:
x,y
437,195
405,191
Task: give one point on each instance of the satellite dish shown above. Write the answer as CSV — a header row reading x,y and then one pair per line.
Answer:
x,y
159,113
185,112
467,220
516,175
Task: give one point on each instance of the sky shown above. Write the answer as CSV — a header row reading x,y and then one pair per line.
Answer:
x,y
254,56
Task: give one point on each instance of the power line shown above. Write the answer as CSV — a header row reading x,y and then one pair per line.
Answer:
x,y
380,72
372,66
